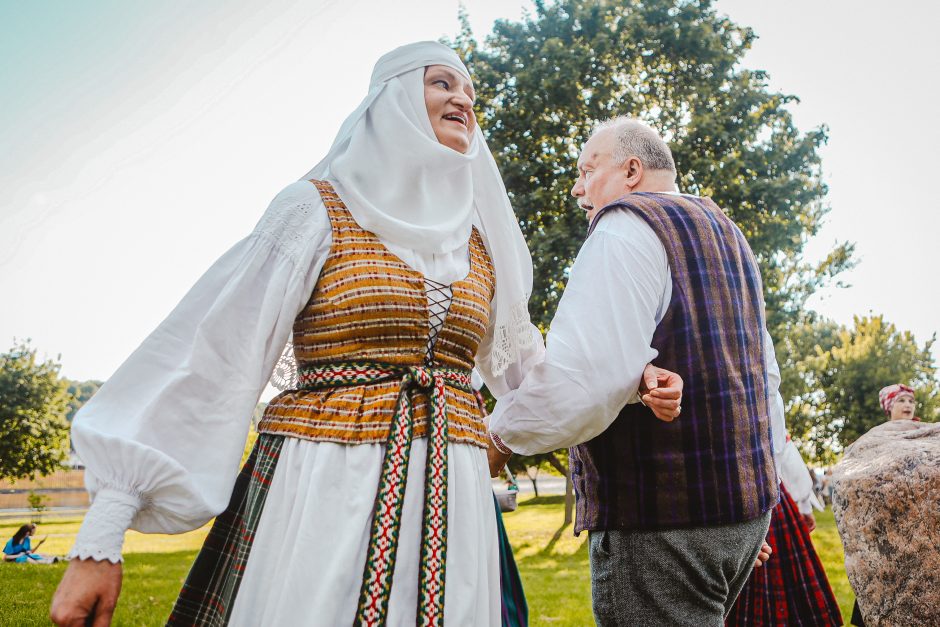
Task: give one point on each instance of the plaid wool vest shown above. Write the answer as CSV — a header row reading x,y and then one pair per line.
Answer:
x,y
714,464
369,306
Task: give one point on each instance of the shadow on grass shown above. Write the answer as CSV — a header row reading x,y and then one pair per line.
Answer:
x,y
550,545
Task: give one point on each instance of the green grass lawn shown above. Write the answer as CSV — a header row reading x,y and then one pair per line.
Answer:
x,y
553,563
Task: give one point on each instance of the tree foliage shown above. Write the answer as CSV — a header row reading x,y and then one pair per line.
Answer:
x,y
81,392
864,359
33,405
543,82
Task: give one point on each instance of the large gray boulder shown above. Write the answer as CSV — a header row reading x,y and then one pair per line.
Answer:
x,y
887,507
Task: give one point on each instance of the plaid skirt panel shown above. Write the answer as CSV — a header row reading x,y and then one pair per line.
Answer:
x,y
791,588
209,592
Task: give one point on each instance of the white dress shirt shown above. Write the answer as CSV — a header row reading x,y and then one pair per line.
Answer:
x,y
618,291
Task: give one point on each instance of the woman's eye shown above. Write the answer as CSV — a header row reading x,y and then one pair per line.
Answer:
x,y
442,83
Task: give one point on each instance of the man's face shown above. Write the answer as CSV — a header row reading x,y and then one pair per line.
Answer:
x,y
600,180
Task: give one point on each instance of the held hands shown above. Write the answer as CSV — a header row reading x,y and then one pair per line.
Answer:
x,y
661,391
87,594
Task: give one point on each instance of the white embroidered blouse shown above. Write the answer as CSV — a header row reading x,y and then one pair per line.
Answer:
x,y
163,438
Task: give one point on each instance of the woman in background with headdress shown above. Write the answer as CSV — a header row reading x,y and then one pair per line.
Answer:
x,y
898,402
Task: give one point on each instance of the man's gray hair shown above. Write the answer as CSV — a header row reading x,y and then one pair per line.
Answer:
x,y
638,139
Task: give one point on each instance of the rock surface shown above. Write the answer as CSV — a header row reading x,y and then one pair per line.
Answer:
x,y
887,508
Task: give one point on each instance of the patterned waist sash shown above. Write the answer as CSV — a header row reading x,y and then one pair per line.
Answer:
x,y
386,522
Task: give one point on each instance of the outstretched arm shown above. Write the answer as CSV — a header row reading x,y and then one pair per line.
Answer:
x,y
597,348
197,376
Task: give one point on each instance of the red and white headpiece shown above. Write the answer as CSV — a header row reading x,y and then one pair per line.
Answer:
x,y
889,394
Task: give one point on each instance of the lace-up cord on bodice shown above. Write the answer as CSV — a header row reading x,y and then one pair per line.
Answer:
x,y
439,298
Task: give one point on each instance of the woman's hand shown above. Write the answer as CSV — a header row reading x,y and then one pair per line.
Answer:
x,y
763,556
87,594
810,521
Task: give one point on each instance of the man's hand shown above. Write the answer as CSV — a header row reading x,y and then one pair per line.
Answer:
x,y
763,556
87,594
810,521
496,458
661,391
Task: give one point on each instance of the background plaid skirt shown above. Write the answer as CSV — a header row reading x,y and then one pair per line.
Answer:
x,y
792,587
209,591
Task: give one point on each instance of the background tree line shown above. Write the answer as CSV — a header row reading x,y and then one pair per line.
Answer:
x,y
542,84
36,407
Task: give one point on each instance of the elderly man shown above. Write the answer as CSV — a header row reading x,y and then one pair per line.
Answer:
x,y
676,511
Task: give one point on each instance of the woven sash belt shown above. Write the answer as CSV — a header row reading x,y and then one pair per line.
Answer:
x,y
386,522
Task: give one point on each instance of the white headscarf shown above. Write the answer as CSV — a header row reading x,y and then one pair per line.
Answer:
x,y
400,183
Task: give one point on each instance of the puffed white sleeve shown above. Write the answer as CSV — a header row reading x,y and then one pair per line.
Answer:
x,y
598,344
796,479
163,438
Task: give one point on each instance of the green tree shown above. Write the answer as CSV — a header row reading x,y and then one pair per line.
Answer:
x,y
33,404
864,359
798,357
543,82
81,392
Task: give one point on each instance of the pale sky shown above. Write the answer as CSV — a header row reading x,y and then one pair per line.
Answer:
x,y
138,143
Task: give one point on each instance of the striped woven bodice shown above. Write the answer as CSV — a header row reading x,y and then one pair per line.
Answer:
x,y
369,306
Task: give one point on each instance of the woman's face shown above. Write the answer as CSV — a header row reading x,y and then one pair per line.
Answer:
x,y
449,98
903,407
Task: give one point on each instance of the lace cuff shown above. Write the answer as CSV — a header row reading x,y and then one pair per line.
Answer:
x,y
499,444
101,535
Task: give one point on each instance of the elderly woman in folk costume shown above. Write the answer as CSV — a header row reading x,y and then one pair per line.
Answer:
x,y
897,401
398,265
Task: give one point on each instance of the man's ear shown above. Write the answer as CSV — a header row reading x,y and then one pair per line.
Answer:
x,y
633,171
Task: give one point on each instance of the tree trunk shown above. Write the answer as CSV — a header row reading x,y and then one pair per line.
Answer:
x,y
535,487
569,492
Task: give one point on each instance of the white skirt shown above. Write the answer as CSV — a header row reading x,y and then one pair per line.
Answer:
x,y
307,558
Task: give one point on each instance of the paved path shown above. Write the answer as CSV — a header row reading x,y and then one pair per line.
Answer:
x,y
548,484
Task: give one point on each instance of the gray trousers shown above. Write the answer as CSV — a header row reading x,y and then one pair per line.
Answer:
x,y
674,577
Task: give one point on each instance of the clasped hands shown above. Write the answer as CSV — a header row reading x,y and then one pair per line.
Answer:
x,y
660,390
